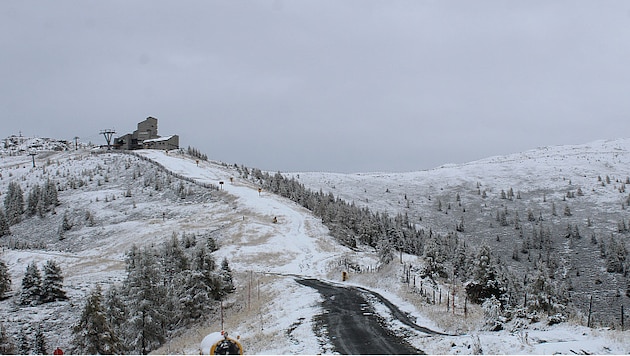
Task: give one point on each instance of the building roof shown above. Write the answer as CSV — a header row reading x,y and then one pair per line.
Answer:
x,y
165,138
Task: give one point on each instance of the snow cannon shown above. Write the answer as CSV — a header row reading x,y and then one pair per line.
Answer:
x,y
218,343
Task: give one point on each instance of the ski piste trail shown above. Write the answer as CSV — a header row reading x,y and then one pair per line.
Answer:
x,y
302,245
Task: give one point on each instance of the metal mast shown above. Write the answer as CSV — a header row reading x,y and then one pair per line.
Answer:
x,y
108,137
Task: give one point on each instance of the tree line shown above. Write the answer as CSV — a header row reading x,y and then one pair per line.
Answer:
x,y
485,276
165,289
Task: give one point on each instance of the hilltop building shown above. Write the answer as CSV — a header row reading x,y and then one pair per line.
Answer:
x,y
146,136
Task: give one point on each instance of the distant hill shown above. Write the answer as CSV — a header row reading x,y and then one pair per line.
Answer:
x,y
575,197
18,144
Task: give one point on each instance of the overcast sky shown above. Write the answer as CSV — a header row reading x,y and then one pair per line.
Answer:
x,y
342,86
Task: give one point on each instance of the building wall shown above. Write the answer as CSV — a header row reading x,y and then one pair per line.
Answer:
x,y
147,129
125,142
170,143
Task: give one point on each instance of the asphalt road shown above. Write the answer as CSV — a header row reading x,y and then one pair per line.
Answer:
x,y
353,326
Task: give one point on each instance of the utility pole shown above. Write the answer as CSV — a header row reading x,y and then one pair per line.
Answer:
x,y
107,133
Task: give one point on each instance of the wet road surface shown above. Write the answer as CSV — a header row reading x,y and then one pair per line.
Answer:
x,y
352,325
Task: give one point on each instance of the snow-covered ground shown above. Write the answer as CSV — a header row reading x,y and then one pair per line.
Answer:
x,y
269,311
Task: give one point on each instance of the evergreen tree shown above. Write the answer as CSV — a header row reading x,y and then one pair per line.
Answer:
x,y
7,345
117,315
31,285
203,261
93,334
49,195
196,295
486,279
5,280
40,199
211,244
14,203
33,200
66,225
23,346
433,260
385,251
226,277
616,253
146,300
543,294
205,265
52,283
174,258
4,224
40,341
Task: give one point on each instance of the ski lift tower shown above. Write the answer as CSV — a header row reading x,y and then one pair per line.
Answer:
x,y
108,137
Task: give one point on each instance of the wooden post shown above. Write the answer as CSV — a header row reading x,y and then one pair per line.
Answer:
x,y
622,317
222,316
448,301
590,311
466,306
249,292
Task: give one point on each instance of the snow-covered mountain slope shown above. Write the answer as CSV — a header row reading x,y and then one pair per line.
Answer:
x,y
556,190
550,170
115,200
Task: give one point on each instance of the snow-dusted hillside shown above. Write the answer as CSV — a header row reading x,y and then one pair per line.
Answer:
x,y
115,200
565,187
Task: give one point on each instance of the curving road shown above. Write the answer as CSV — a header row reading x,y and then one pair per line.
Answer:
x,y
353,326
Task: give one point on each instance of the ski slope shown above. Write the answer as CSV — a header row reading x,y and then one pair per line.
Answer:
x,y
270,311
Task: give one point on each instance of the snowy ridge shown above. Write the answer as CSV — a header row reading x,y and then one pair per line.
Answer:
x,y
272,313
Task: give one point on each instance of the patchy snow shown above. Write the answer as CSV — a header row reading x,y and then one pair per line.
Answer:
x,y
269,311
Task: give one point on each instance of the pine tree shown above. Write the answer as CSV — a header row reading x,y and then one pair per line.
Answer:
x,y
486,279
146,301
226,276
52,283
616,254
23,346
195,296
5,280
66,225
49,194
14,203
542,294
31,285
7,345
117,314
93,334
40,341
4,224
174,258
203,261
32,202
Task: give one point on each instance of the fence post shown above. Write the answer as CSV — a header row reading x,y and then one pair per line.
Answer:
x,y
590,311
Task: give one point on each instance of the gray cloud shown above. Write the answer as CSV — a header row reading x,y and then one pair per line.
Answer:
x,y
310,85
